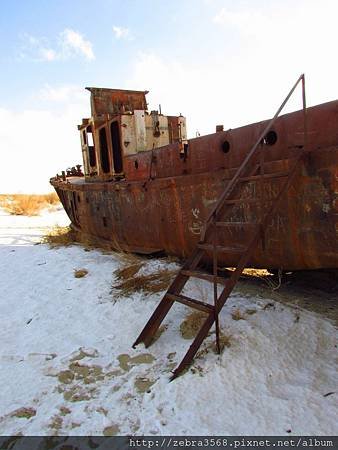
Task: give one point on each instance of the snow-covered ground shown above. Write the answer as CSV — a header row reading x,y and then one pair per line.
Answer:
x,y
67,365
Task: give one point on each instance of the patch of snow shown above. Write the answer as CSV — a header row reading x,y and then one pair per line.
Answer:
x,y
66,353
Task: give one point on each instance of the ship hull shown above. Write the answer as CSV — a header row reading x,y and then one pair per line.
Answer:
x,y
168,214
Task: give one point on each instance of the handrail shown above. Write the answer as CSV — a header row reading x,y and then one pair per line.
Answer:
x,y
251,153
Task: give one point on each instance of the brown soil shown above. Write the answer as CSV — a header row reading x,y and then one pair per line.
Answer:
x,y
76,383
56,423
126,362
64,410
80,273
237,315
24,412
66,376
77,393
143,384
112,430
89,374
192,324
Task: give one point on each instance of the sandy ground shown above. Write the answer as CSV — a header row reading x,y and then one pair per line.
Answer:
x,y
67,366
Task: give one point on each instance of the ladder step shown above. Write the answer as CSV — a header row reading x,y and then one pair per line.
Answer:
x,y
265,176
196,304
221,249
203,276
237,224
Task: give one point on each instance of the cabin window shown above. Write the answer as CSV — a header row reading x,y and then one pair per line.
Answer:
x,y
116,146
92,156
104,150
91,147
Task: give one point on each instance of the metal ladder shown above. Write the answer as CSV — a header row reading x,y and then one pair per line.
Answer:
x,y
209,244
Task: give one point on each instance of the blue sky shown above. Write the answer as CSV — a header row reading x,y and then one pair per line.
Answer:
x,y
170,29
215,61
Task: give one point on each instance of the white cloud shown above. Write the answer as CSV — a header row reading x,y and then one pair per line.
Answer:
x,y
69,44
63,93
243,79
248,22
36,49
122,33
73,42
48,54
38,143
235,90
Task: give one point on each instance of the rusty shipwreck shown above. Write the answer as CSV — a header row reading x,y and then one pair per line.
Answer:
x,y
146,188
263,195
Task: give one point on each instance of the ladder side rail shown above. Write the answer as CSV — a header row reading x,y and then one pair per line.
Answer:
x,y
241,265
237,175
197,342
215,286
244,259
201,335
165,305
154,322
304,115
180,279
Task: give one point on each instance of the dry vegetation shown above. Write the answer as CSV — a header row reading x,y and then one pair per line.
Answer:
x,y
192,324
27,205
225,340
128,281
237,315
64,236
60,237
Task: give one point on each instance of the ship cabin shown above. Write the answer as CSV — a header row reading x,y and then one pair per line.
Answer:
x,y
120,125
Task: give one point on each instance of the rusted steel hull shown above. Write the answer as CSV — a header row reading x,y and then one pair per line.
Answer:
x,y
164,199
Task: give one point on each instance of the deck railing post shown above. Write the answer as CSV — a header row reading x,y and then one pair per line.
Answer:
x,y
304,113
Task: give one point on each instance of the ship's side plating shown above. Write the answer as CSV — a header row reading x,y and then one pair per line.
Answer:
x,y
146,188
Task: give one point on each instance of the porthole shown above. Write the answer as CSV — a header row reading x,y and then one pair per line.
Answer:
x,y
226,146
270,138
